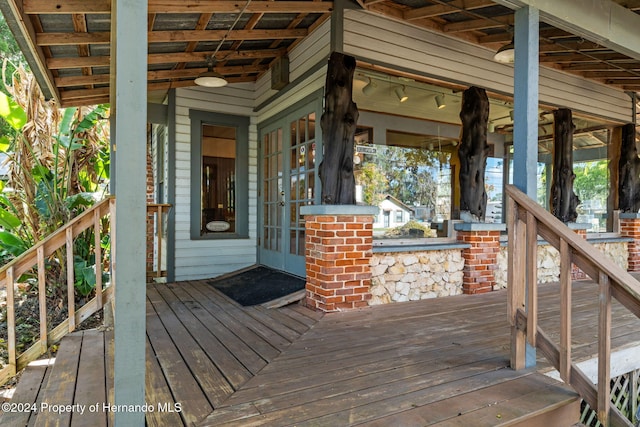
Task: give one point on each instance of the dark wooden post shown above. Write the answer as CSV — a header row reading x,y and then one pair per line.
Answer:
x,y
629,172
338,129
563,200
472,152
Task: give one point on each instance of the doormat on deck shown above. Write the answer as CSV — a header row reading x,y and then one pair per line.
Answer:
x,y
258,285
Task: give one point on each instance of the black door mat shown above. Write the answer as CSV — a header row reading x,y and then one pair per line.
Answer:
x,y
258,285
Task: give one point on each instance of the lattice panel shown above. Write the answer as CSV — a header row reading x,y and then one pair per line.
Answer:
x,y
625,396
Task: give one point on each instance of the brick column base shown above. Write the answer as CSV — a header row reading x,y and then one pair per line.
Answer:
x,y
580,230
630,227
481,255
339,241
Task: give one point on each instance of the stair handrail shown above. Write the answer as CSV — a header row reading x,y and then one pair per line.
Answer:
x,y
36,256
526,219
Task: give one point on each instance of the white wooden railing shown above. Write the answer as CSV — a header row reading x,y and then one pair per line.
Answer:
x,y
525,222
34,261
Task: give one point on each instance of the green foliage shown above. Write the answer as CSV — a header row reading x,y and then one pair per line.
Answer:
x,y
58,160
592,181
410,229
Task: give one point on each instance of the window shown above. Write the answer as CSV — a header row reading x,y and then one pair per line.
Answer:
x,y
219,176
399,217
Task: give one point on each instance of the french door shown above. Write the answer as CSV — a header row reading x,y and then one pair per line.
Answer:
x,y
290,157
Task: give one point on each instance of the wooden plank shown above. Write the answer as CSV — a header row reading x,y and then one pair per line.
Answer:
x,y
97,243
317,315
213,383
91,385
286,326
303,407
184,386
26,393
223,359
448,409
41,392
157,391
273,338
285,300
565,312
307,321
108,363
233,343
62,382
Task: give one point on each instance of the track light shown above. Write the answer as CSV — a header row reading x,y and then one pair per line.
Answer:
x,y
492,127
210,78
369,87
506,53
400,93
440,101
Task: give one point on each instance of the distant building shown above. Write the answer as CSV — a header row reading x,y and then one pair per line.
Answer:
x,y
393,213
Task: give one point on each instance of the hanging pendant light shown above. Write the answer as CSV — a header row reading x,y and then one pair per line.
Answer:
x,y
506,53
210,78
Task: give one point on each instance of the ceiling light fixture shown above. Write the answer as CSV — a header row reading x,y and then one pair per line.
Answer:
x,y
369,87
210,78
440,101
401,94
506,53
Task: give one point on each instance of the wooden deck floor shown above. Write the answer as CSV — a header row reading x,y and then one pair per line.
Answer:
x,y
418,363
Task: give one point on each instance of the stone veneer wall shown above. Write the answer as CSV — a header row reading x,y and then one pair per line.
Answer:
x,y
411,276
549,264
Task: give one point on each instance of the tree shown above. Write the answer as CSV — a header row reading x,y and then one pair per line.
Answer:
x,y
57,159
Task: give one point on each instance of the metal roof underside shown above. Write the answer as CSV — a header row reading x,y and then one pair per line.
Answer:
x,y
70,39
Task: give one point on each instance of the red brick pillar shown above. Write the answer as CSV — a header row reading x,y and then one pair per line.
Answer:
x,y
480,257
339,241
630,227
580,230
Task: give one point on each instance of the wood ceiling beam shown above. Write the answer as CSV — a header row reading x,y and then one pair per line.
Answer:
x,y
627,82
549,33
597,66
443,9
159,75
610,74
577,57
217,35
566,46
65,39
165,58
479,24
35,7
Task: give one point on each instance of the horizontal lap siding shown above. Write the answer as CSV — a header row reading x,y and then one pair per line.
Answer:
x,y
307,54
386,41
196,259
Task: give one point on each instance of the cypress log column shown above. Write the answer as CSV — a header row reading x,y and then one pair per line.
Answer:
x,y
563,200
628,171
472,152
338,251
338,125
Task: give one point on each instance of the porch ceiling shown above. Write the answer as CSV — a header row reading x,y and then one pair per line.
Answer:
x,y
68,41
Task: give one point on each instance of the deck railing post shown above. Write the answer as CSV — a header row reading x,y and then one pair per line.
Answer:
x,y
516,279
11,322
604,349
532,278
97,241
159,241
42,299
71,309
565,311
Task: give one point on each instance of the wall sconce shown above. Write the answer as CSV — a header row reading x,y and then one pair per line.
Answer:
x,y
210,78
401,94
369,87
440,101
491,127
506,53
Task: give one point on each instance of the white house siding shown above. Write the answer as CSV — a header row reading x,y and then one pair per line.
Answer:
x,y
197,259
380,39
